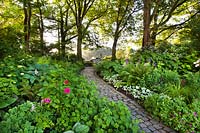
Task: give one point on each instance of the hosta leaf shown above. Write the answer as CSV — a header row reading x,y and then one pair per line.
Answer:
x,y
5,103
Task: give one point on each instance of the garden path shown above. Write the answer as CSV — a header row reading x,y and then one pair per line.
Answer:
x,y
147,123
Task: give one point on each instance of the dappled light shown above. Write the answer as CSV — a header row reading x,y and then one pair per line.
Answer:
x,y
99,66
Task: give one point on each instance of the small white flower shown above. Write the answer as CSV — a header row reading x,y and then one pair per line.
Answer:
x,y
137,87
36,72
197,65
143,91
32,107
143,88
21,73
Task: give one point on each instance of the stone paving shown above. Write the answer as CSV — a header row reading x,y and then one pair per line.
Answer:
x,y
147,123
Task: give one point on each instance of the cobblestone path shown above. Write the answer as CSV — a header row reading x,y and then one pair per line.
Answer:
x,y
147,123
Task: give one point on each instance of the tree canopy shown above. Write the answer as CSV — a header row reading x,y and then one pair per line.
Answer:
x,y
23,23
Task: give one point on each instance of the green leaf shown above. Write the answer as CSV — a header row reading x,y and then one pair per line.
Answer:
x,y
7,102
79,128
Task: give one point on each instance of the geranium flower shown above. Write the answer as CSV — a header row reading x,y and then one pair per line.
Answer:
x,y
46,100
67,90
195,114
66,82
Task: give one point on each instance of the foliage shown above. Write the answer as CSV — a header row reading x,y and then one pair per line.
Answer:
x,y
174,112
166,79
8,92
108,68
62,98
10,29
79,128
82,104
163,60
158,80
167,56
114,119
136,91
133,73
21,119
191,86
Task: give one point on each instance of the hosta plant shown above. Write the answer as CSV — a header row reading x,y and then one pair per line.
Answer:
x,y
8,92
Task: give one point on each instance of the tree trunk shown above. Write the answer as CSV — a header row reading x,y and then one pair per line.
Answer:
x,y
62,32
59,49
41,29
80,35
79,43
155,23
25,25
29,25
154,31
114,48
146,22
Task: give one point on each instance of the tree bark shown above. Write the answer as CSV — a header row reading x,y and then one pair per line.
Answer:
x,y
114,47
62,34
25,25
29,26
155,24
79,42
146,22
41,28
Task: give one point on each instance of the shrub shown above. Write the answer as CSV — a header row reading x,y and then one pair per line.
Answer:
x,y
21,119
158,80
191,86
8,92
61,108
133,73
82,104
108,68
174,112
64,98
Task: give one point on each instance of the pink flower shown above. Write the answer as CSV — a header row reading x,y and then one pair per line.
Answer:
x,y
67,90
66,82
46,100
195,114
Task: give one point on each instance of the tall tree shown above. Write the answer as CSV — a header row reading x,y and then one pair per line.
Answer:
x,y
146,23
40,4
123,13
117,20
158,14
61,14
80,10
27,23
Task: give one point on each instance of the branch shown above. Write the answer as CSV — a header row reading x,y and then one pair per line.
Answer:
x,y
174,7
177,25
87,7
124,24
71,38
69,27
74,11
90,21
155,10
53,18
172,33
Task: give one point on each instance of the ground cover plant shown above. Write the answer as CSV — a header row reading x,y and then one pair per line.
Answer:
x,y
44,95
164,80
64,29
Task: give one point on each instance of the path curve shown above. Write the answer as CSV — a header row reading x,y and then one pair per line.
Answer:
x,y
147,123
